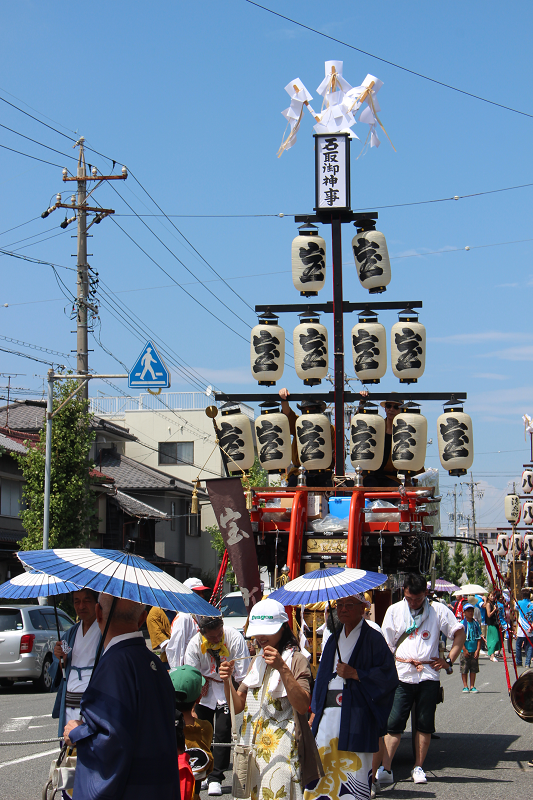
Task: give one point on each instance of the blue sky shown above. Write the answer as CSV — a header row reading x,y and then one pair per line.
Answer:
x,y
188,96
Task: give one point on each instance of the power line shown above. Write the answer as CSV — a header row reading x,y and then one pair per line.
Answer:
x,y
191,245
35,141
390,63
34,347
202,216
34,260
21,225
20,153
25,355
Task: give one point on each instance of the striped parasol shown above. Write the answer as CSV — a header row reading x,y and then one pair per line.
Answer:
x,y
35,584
442,585
327,584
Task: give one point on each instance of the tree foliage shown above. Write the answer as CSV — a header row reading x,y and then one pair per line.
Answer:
x,y
475,566
457,566
217,543
443,560
71,502
257,476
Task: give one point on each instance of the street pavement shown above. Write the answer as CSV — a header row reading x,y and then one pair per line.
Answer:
x,y
482,752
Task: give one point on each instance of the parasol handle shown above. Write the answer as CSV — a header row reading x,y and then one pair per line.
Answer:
x,y
59,639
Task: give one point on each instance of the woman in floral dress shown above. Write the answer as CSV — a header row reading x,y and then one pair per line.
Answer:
x,y
276,766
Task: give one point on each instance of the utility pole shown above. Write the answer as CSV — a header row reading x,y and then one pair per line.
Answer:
x,y
82,338
79,204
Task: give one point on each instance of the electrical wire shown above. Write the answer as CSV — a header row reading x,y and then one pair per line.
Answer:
x,y
25,355
35,141
191,245
390,63
21,225
20,153
35,261
33,347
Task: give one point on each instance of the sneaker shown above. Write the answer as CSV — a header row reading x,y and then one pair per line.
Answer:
x,y
384,776
473,690
418,775
465,689
375,789
204,785
214,788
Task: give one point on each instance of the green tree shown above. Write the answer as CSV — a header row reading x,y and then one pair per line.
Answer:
x,y
217,544
71,502
475,566
257,476
442,559
457,564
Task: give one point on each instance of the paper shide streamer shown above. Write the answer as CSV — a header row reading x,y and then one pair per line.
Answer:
x,y
340,104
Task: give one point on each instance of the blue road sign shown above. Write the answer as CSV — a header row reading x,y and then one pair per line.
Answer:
x,y
149,371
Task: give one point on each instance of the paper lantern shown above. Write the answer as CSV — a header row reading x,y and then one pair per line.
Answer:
x,y
313,439
515,543
527,481
408,347
527,512
308,261
371,257
512,508
369,348
367,438
267,352
409,439
273,438
456,442
528,544
502,544
236,439
310,341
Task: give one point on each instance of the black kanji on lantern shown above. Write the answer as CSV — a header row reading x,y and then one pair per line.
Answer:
x,y
270,439
454,434
230,441
314,258
403,440
265,346
362,440
367,256
313,343
366,350
311,439
408,344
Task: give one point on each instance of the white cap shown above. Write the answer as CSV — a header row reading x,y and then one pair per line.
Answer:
x,y
266,618
195,583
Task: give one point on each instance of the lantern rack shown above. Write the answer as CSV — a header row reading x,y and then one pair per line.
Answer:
x,y
329,397
347,307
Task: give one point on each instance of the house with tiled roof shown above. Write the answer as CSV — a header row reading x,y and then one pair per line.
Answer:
x,y
134,503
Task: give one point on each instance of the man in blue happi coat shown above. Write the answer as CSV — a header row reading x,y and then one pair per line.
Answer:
x,y
126,741
352,699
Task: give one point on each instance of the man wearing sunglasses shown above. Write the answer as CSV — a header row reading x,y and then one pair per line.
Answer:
x,y
352,698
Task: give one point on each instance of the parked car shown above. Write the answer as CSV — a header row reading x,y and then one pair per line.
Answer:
x,y
28,634
234,611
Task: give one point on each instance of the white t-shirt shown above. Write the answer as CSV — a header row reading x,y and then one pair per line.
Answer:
x,y
205,662
83,654
423,644
183,628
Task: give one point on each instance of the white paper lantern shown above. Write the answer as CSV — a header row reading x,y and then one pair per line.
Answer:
x,y
267,350
236,439
369,348
456,442
502,544
371,257
408,347
528,544
310,341
409,439
273,438
512,508
367,439
527,512
308,262
515,543
527,481
313,439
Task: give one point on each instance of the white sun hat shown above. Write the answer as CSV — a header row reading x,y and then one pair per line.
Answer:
x,y
266,618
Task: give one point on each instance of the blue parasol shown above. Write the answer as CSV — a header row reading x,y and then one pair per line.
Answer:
x,y
324,585
120,575
35,584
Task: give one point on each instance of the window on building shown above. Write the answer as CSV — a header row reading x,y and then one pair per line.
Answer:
x,y
176,453
10,497
173,516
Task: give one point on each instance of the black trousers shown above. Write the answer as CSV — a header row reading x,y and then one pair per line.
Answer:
x,y
220,719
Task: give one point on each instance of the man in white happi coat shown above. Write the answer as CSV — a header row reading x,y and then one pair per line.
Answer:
x,y
412,630
184,627
213,644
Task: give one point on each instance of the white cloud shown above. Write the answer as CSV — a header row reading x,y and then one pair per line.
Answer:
x,y
223,377
500,403
490,376
524,353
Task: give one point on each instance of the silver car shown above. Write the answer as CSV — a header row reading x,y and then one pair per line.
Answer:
x,y
28,634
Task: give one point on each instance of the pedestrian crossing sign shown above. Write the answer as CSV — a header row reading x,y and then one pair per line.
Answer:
x,y
149,371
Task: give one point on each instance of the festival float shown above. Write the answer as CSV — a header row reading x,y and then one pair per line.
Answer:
x,y
353,520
